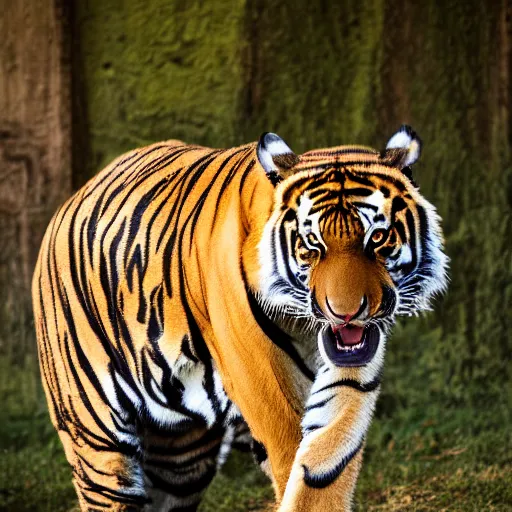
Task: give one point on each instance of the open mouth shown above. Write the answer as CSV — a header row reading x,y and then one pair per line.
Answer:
x,y
350,345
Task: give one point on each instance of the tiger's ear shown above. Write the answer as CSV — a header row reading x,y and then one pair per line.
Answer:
x,y
276,158
403,149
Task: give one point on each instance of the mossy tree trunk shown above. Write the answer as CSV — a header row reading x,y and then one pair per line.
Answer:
x,y
447,73
35,163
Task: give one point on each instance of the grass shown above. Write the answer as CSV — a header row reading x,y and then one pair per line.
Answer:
x,y
429,455
434,459
34,474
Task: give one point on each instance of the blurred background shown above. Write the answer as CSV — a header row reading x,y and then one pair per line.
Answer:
x,y
82,82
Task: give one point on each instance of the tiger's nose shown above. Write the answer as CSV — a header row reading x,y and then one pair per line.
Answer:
x,y
347,317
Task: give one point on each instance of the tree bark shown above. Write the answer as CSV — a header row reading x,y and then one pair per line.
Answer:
x,y
35,170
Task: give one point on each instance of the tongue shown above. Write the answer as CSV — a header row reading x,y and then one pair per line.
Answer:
x,y
350,334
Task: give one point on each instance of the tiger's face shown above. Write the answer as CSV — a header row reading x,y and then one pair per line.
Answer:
x,y
350,243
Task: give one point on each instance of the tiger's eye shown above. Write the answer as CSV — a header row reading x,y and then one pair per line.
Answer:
x,y
379,236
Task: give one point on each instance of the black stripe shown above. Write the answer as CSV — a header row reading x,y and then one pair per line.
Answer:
x,y
77,268
423,230
155,325
71,333
351,383
90,466
362,180
397,205
95,502
232,173
338,165
411,228
311,428
178,184
359,191
134,174
283,243
138,212
194,171
115,496
182,489
204,195
209,453
260,453
325,479
400,229
319,404
365,205
277,335
186,350
214,434
128,159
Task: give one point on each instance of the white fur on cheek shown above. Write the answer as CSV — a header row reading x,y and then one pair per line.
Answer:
x,y
304,208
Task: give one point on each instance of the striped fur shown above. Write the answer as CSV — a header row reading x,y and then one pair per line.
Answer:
x,y
181,295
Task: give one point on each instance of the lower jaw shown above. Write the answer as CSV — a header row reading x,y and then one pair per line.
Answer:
x,y
351,358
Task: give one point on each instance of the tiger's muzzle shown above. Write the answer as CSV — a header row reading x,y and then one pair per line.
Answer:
x,y
352,340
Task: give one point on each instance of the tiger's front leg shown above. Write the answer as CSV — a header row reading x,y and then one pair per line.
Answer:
x,y
337,418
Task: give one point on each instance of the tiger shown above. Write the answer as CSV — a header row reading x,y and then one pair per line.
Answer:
x,y
189,299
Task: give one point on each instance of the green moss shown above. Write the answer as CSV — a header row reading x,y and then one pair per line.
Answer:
x,y
158,70
450,81
177,69
314,71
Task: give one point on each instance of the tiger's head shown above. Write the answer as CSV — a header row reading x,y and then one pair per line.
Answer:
x,y
350,242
